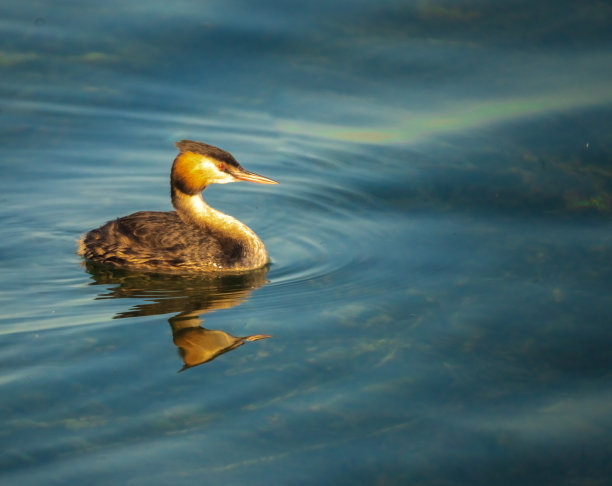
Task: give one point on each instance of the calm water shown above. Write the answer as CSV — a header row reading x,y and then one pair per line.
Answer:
x,y
439,298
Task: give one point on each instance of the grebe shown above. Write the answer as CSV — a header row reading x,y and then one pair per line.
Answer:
x,y
195,237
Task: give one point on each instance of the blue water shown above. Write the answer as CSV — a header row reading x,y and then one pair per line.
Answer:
x,y
439,295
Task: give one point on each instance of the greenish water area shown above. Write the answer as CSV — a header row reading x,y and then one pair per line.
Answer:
x,y
438,306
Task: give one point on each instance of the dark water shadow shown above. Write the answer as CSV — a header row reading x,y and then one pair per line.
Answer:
x,y
186,296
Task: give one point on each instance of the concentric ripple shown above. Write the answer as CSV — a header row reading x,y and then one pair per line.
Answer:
x,y
320,228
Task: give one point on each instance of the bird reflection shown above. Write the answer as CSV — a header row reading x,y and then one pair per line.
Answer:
x,y
188,297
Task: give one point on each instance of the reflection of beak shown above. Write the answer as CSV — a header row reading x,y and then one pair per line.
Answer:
x,y
245,175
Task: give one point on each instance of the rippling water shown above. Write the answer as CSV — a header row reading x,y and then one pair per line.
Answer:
x,y
437,309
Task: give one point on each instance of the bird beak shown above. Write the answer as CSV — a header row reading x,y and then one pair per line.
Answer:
x,y
245,175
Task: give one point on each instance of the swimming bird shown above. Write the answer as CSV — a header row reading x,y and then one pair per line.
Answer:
x,y
193,238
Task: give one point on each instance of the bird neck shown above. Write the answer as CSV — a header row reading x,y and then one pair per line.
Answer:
x,y
192,210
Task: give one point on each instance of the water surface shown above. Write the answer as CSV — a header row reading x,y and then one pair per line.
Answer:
x,y
438,299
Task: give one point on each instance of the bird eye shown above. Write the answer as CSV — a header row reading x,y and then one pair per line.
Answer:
x,y
221,167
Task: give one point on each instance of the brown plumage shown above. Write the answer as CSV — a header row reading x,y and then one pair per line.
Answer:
x,y
195,237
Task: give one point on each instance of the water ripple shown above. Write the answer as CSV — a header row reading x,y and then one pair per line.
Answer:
x,y
323,228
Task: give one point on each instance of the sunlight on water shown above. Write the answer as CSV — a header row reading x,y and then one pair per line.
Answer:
x,y
418,126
